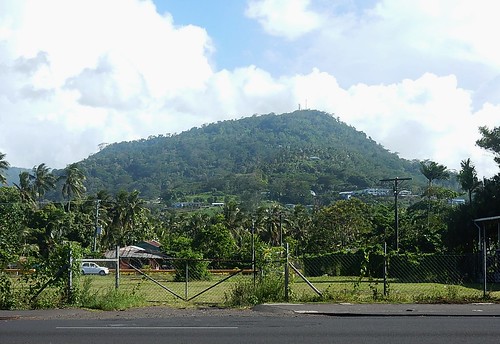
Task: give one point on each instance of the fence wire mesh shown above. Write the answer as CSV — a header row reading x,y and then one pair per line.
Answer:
x,y
335,277
170,281
394,277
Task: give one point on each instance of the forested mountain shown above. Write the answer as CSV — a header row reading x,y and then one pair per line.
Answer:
x,y
12,175
290,158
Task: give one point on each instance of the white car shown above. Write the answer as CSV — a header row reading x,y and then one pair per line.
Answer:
x,y
89,268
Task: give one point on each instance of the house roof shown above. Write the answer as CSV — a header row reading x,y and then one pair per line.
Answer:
x,y
135,252
150,245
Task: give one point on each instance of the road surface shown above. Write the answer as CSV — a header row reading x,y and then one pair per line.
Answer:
x,y
258,328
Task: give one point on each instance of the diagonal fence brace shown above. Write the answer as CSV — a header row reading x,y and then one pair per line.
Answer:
x,y
156,282
216,284
305,279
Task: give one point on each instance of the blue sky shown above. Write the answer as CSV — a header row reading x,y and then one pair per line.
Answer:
x,y
235,37
419,77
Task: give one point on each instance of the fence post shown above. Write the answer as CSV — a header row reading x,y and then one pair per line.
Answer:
x,y
187,278
287,273
485,266
117,267
253,254
385,269
70,274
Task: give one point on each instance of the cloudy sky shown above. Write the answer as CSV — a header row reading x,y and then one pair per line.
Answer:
x,y
418,76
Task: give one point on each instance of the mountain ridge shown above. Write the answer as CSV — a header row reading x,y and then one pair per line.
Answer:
x,y
285,156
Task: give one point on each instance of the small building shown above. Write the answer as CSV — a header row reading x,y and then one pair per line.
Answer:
x,y
144,253
346,194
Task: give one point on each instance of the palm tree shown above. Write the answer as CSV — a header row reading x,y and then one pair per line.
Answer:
x,y
4,165
43,180
25,188
73,183
126,214
432,171
300,222
467,177
270,222
234,220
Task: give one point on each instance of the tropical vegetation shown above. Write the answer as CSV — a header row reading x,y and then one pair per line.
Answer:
x,y
272,178
273,157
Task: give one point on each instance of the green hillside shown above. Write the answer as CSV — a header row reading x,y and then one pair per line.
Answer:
x,y
277,157
12,175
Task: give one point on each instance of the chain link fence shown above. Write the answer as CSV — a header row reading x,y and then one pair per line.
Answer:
x,y
334,277
363,277
174,281
197,280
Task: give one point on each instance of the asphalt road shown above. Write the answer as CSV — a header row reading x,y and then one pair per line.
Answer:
x,y
258,328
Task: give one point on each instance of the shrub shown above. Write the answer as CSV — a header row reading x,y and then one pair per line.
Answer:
x,y
270,288
192,263
7,299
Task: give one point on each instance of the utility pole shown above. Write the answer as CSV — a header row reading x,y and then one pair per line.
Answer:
x,y
96,229
396,193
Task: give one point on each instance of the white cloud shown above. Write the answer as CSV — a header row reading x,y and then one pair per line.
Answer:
x,y
290,19
92,74
389,40
461,29
438,62
427,118
89,73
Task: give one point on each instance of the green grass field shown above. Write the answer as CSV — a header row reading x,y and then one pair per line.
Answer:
x,y
333,289
137,290
354,289
166,291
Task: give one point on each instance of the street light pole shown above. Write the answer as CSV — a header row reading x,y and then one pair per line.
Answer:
x,y
396,215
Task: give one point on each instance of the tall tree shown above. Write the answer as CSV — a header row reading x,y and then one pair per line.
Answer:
x,y
235,220
4,165
299,222
12,226
467,177
49,225
43,180
490,141
25,188
73,183
215,241
432,171
343,225
128,220
271,224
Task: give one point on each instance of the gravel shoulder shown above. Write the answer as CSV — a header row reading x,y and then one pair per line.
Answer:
x,y
132,313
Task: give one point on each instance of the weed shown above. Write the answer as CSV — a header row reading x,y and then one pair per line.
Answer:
x,y
112,299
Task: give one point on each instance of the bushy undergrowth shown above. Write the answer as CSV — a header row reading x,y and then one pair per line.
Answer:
x,y
268,289
7,300
110,300
21,292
